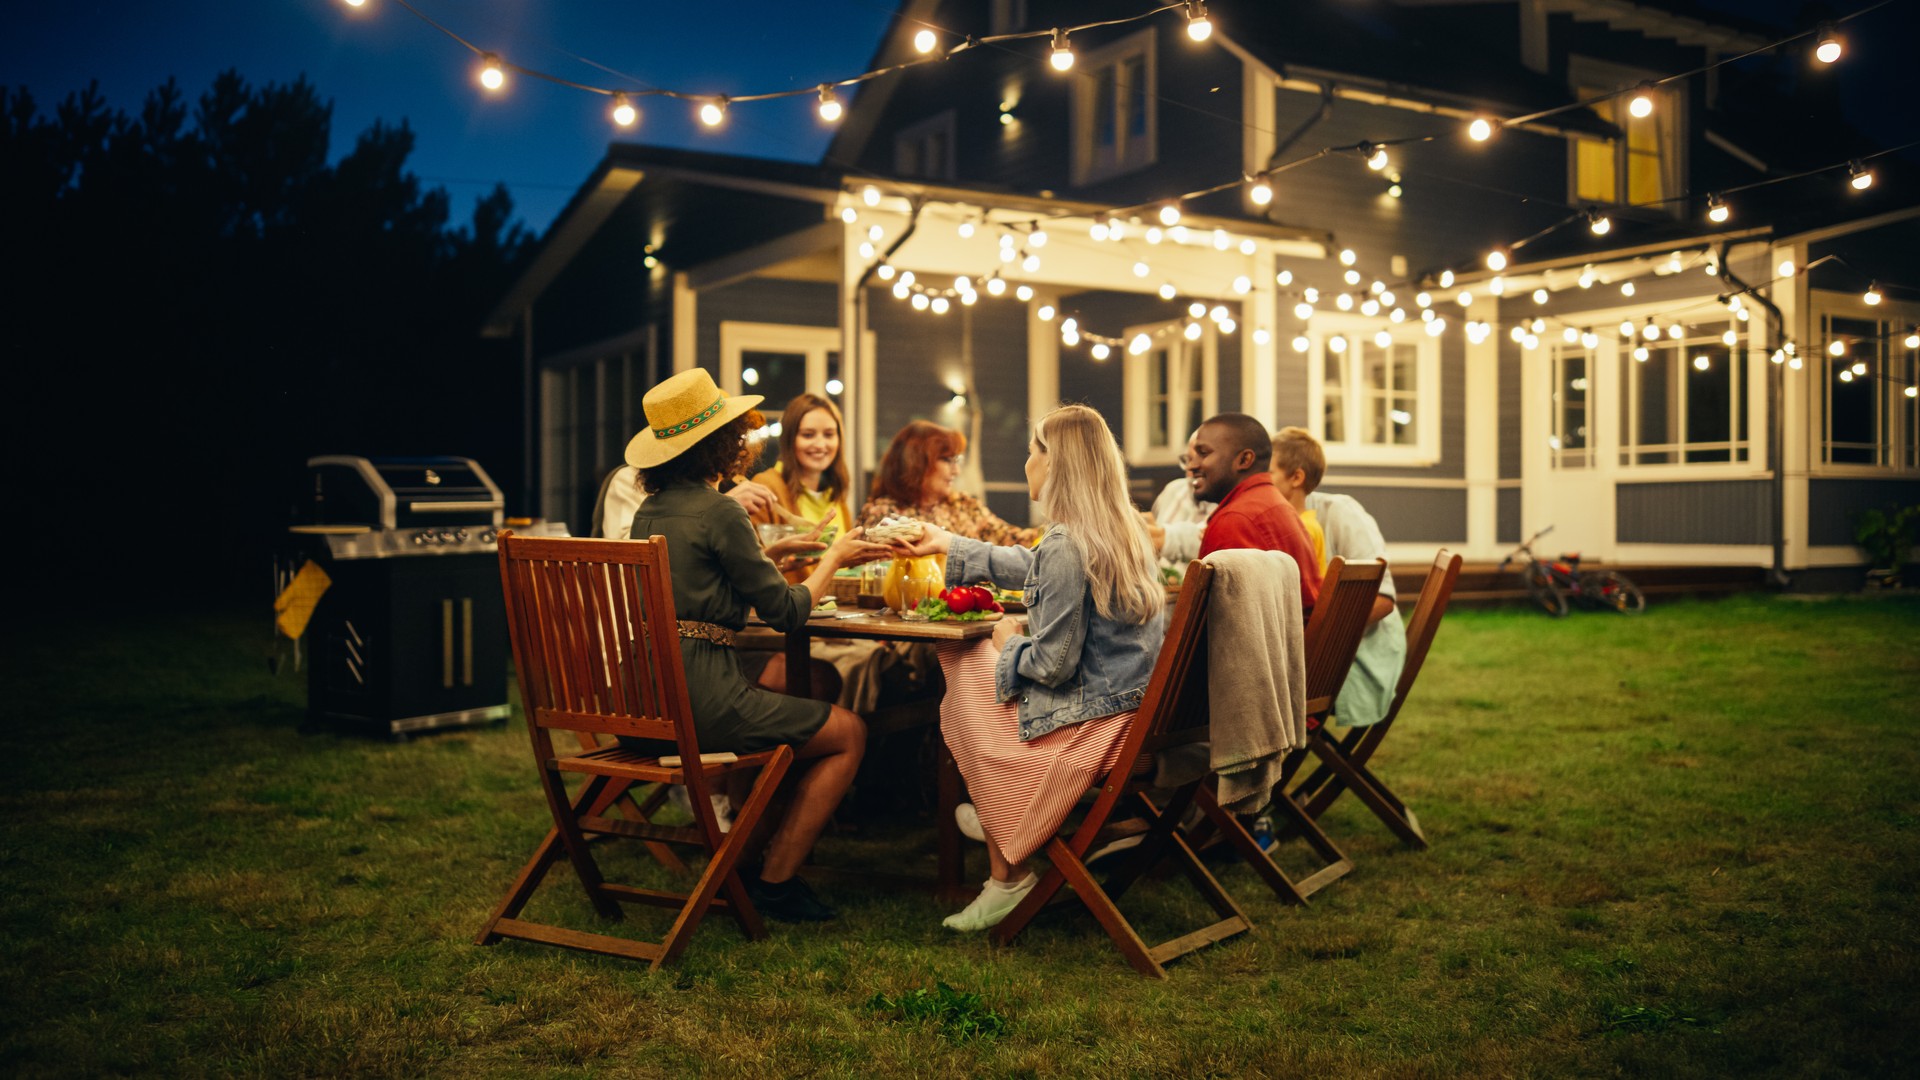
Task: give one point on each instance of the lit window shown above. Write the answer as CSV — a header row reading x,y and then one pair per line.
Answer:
x,y
1170,389
1570,438
1371,403
1114,115
1640,169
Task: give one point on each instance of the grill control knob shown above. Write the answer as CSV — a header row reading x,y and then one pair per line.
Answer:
x,y
420,537
460,535
489,536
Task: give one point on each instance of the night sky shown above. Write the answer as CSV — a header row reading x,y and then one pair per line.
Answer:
x,y
378,62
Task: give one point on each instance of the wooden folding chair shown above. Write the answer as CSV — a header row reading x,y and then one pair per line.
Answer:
x,y
597,648
1173,712
1332,638
1343,762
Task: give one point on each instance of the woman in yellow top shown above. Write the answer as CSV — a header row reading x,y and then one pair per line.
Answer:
x,y
810,479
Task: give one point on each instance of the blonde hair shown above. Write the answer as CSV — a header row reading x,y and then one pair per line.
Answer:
x,y
1086,491
1296,448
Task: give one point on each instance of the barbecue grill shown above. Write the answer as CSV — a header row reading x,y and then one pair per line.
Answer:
x,y
412,634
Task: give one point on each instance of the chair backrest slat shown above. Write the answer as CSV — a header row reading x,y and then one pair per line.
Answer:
x,y
1435,594
595,640
1347,592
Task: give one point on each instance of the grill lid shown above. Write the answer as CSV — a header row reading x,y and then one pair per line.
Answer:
x,y
395,493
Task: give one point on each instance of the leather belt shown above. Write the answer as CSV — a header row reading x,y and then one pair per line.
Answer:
x,y
706,631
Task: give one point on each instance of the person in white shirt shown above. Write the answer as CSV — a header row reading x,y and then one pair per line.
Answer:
x,y
1178,519
1353,535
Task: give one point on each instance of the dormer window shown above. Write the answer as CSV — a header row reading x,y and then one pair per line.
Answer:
x,y
1644,167
1115,126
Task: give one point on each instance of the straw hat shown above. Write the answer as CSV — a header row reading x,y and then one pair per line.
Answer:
x,y
680,412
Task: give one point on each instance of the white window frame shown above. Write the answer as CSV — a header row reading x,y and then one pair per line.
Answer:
x,y
916,135
1894,413
1743,399
1426,449
1585,457
815,342
1128,155
1669,104
1141,450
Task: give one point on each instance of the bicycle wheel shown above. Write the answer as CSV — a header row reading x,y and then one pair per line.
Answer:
x,y
1544,591
1613,590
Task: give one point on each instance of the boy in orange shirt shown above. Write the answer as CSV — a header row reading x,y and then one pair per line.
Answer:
x,y
1297,467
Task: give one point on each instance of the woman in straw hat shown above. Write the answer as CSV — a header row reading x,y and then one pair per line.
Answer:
x,y
695,436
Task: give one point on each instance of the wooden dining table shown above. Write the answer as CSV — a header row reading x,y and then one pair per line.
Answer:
x,y
877,626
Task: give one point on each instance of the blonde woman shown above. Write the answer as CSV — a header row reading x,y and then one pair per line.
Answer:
x,y
1033,719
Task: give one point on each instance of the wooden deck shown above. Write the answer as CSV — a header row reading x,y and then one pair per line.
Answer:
x,y
1483,583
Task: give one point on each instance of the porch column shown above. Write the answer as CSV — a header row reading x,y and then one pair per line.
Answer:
x,y
856,368
685,328
1483,440
1796,430
1043,356
1536,477
1259,360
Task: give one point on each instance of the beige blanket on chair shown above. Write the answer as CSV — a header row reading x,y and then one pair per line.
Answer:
x,y
1256,672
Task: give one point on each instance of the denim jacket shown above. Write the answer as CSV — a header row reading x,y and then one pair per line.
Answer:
x,y
1073,665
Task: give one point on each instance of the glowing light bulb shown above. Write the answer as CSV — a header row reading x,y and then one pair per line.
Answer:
x,y
1352,277
1023,294
1383,339
1370,307
1261,336
1641,105
1859,176
1640,353
624,114
900,290
875,233
1037,238
1627,328
1498,286
1228,326
1192,332
924,41
1873,294
1166,291
830,110
1717,211
940,305
1031,264
1243,284
1589,340
870,195
1062,57
1676,332
1858,368
1912,391
920,301
1301,343
1701,363
1347,257
1480,130
1785,269
1465,299
1829,48
1601,224
1913,339
1837,348
1537,326
715,111
1496,260
1196,309
1311,295
1170,214
1100,351
1199,27
866,249
885,272
1045,312
1153,234
1376,158
1651,332
1570,335
1436,327
1626,288
1423,299
835,386
1343,302
492,75
1338,343
1540,296
996,286
1446,279
1141,269
1303,310
1219,313
1730,338
1261,193
966,230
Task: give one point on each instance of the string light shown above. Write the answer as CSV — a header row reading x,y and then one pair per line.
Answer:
x,y
1859,176
1540,296
1446,279
1261,193
885,272
870,195
1641,106
1046,313
1062,58
1037,238
1170,213
623,113
1141,269
1199,27
1626,288
1376,157
1859,368
940,307
1140,344
1480,130
1701,363
1496,260
1830,47
1303,310
1301,343
1166,291
1872,296
1023,294
1347,257
1243,284
1600,223
1836,347
1192,332
714,111
1100,351
1913,341
1785,269
1338,343
492,75
830,110
924,41
1717,211
1196,309
996,286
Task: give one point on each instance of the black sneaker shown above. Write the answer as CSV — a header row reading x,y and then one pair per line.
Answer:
x,y
791,901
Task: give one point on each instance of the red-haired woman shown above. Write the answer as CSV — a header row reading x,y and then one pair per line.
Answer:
x,y
916,480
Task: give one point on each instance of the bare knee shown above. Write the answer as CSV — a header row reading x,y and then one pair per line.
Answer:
x,y
843,733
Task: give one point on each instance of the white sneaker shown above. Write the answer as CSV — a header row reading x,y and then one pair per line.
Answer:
x,y
992,905
722,806
968,819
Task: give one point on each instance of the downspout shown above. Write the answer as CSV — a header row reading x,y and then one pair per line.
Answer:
x,y
1325,110
1777,426
850,365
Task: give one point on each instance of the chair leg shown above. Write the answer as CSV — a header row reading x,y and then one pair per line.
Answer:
x,y
523,887
1388,809
642,812
1103,909
1249,849
1336,864
575,844
1188,857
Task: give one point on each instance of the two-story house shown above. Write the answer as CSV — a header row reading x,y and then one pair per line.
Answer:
x,y
1293,217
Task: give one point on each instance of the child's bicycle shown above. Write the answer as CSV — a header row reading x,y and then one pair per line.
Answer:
x,y
1549,584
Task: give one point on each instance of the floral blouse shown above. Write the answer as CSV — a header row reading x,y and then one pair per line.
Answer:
x,y
959,514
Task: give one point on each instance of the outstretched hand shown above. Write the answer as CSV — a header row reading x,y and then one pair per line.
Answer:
x,y
853,549
934,540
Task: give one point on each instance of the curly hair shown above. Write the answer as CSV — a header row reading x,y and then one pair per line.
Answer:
x,y
721,455
902,475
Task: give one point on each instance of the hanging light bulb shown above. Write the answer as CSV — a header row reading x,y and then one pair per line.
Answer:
x,y
1192,332
1858,368
1589,341
885,272
1301,343
1423,299
1701,363
996,286
492,75
1261,193
966,230
1676,332
1626,288
1859,176
1498,286
1651,332
1730,338
1243,284
940,305
1199,27
1570,335
1627,328
1031,264
1100,351
1062,58
1370,307
1480,130
1338,343
1376,157
1170,214
1785,269
1436,327
1717,211
1023,294
1829,48
1496,260
1913,391
1166,291
1153,234
870,195
714,111
1537,326
1465,299
1873,294
1446,279
1383,339
1837,348
1540,296
1196,309
1640,353
1303,310
1600,223
623,113
920,301
1141,269
1344,302
906,276
1347,257
830,110
1140,344
1352,277
1261,336
1046,313
1248,247
924,41
1641,105
1913,338
1311,295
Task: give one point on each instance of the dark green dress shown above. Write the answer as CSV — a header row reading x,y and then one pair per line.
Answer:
x,y
719,572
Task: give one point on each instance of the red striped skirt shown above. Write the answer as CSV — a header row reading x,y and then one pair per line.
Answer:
x,y
1022,790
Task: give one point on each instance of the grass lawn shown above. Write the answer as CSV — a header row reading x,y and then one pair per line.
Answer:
x,y
1687,843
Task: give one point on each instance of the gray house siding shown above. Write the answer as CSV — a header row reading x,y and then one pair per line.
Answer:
x,y
1833,504
760,300
1507,516
1412,515
1703,512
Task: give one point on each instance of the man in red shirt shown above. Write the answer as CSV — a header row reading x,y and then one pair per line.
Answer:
x,y
1227,464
